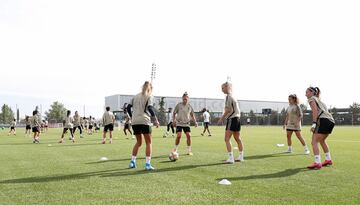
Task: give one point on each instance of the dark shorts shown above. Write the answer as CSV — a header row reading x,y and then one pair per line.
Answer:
x,y
77,127
127,126
109,127
180,129
324,126
141,129
233,124
35,129
90,127
66,129
206,124
12,128
28,127
292,130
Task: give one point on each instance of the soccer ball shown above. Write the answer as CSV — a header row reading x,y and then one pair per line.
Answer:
x,y
173,156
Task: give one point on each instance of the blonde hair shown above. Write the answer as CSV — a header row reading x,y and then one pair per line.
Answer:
x,y
147,88
227,85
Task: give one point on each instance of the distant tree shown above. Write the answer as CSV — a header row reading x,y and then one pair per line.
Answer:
x,y
334,113
6,115
252,117
354,110
17,115
161,112
274,117
282,116
56,112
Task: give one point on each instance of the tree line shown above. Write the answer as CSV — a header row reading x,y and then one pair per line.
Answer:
x,y
342,116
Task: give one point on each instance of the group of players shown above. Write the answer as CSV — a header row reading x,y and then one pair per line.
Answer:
x,y
140,116
70,124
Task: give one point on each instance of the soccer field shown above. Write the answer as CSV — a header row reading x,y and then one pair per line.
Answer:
x,y
73,173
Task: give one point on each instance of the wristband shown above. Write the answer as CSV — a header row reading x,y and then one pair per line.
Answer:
x,y
313,125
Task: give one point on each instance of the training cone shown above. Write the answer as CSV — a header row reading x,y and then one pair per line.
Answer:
x,y
225,182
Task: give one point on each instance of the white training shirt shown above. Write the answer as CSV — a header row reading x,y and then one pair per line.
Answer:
x,y
183,114
323,112
169,117
206,116
294,116
77,120
69,122
232,104
108,118
140,115
35,121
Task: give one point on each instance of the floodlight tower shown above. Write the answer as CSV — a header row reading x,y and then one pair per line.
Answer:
x,y
228,79
153,72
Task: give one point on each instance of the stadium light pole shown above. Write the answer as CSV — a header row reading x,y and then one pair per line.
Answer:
x,y
228,79
153,72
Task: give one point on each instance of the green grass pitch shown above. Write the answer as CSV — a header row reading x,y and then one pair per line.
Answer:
x,y
73,174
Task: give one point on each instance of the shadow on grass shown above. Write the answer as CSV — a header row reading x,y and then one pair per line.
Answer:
x,y
106,173
282,174
282,154
126,159
10,144
70,144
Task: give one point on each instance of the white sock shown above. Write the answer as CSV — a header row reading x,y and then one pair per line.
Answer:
x,y
176,148
189,148
133,158
241,155
306,148
231,155
317,159
290,148
148,159
327,156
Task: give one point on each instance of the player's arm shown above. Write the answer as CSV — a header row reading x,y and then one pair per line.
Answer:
x,y
226,112
174,119
153,115
174,115
128,109
286,120
192,114
314,115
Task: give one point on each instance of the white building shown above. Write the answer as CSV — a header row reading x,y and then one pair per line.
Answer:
x,y
216,106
